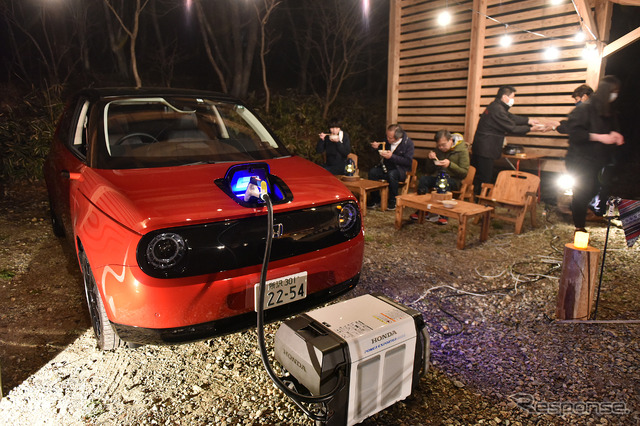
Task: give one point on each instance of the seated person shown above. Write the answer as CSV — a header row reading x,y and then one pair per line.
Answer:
x,y
336,145
452,156
396,156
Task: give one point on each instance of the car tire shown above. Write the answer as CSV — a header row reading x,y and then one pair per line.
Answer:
x,y
56,224
106,336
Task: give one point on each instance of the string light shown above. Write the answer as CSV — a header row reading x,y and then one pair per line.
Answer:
x,y
365,7
505,40
551,53
590,52
444,18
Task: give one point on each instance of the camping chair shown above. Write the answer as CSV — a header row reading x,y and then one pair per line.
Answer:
x,y
466,189
515,191
410,180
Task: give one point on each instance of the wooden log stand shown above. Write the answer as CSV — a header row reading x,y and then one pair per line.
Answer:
x,y
578,282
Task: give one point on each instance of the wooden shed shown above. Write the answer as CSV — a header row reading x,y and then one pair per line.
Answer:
x,y
444,76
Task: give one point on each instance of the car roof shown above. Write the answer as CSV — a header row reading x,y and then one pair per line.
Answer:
x,y
127,92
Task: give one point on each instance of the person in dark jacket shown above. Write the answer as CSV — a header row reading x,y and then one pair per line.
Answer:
x,y
579,95
495,123
336,145
594,132
396,156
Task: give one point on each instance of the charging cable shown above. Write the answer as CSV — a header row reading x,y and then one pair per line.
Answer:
x,y
296,397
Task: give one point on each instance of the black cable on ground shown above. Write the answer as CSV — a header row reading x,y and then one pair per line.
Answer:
x,y
296,397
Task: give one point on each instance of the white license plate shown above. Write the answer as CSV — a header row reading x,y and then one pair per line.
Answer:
x,y
281,291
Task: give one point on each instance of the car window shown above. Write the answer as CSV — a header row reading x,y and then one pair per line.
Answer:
x,y
154,132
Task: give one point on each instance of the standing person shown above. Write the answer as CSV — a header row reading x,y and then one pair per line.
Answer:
x,y
594,132
452,156
396,155
579,95
336,145
495,123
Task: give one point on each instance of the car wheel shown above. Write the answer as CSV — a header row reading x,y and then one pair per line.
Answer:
x,y
56,224
105,334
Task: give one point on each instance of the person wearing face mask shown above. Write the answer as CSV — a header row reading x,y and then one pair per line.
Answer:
x,y
594,134
495,123
579,95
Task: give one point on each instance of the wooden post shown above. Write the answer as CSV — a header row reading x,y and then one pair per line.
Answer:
x,y
476,62
577,282
393,70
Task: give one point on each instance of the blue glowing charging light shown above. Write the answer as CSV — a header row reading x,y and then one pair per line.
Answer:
x,y
240,177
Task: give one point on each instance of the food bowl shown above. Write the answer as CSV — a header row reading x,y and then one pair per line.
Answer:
x,y
449,203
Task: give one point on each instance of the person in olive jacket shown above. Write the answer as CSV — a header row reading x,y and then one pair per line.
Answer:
x,y
452,156
495,123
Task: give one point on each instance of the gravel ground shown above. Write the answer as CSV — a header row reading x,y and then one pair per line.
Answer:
x,y
489,309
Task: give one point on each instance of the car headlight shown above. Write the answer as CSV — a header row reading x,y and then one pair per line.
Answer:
x,y
165,250
349,219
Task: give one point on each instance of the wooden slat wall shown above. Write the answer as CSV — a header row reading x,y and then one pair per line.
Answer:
x,y
431,68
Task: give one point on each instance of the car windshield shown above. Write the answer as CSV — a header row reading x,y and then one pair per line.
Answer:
x,y
157,132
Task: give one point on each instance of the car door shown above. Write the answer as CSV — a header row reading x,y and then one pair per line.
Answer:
x,y
68,159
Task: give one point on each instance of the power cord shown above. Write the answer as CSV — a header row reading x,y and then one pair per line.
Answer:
x,y
501,291
296,397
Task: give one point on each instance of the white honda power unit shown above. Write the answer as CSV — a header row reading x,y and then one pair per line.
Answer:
x,y
371,344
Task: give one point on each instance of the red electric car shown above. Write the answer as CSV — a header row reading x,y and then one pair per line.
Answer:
x,y
152,188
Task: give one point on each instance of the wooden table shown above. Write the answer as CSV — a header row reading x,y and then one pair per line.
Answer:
x,y
362,187
462,212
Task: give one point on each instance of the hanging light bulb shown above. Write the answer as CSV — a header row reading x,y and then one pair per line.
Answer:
x,y
551,53
590,53
579,37
444,18
505,40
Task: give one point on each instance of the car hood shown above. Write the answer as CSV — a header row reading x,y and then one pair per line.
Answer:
x,y
148,199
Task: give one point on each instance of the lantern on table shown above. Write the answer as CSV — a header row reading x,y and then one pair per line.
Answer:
x,y
442,182
350,168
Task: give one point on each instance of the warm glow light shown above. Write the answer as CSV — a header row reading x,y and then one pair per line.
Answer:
x,y
555,2
444,18
505,40
579,37
590,53
551,53
566,183
581,240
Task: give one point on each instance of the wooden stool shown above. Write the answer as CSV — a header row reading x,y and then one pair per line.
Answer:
x,y
577,282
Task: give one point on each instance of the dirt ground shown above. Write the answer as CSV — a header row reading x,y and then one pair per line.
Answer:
x,y
489,309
